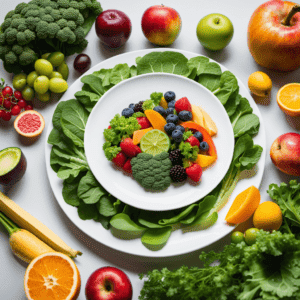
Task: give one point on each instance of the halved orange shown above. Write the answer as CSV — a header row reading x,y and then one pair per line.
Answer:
x,y
205,160
288,99
243,206
52,276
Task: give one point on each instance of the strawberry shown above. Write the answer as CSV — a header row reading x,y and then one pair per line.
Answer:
x,y
194,172
109,127
144,122
183,104
127,166
129,148
120,159
193,141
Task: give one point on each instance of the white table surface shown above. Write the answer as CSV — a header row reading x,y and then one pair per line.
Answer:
x,y
33,192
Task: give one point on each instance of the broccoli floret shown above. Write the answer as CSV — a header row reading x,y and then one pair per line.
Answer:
x,y
62,23
32,13
63,3
72,25
53,29
17,49
71,14
20,7
48,10
2,38
56,15
9,14
152,172
48,18
11,35
42,13
11,58
79,32
4,50
25,10
80,20
76,5
30,35
66,34
16,22
6,24
22,27
22,39
27,57
42,30
49,3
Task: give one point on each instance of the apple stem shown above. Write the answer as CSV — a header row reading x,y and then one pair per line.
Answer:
x,y
287,20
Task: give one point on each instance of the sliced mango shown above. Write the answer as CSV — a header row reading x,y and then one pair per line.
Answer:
x,y
197,115
205,160
209,124
156,119
163,103
138,134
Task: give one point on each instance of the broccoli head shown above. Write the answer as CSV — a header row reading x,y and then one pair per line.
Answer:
x,y
28,56
152,172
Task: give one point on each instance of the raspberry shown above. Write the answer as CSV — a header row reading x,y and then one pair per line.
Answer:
x,y
178,174
139,107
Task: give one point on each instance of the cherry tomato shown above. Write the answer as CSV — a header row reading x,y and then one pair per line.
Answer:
x,y
2,112
7,91
22,103
28,107
6,116
1,100
16,110
18,95
7,104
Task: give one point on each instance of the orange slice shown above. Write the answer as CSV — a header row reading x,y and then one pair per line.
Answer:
x,y
243,206
163,103
138,134
156,119
52,276
288,99
29,123
205,160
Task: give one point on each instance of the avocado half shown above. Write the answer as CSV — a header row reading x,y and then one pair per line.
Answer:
x,y
12,165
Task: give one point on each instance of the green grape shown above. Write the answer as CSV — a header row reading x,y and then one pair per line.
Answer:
x,y
28,93
44,97
31,78
55,74
41,84
46,55
237,237
63,69
43,67
19,81
56,58
58,85
250,236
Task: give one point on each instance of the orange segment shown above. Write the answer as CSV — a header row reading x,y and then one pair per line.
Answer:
x,y
288,99
197,115
205,160
156,119
52,276
163,103
138,134
243,206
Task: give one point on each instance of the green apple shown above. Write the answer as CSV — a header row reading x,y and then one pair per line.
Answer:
x,y
214,31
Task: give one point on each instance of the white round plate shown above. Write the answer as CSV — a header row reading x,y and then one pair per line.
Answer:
x,y
178,243
125,187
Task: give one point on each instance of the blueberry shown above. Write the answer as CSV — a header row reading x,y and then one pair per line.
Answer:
x,y
172,119
204,146
181,128
169,128
131,105
170,111
169,96
199,136
160,110
185,115
171,104
177,136
127,112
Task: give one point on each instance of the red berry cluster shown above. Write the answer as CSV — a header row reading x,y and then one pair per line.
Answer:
x,y
11,103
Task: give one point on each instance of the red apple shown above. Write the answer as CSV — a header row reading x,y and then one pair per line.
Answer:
x,y
285,153
113,28
161,25
108,283
274,35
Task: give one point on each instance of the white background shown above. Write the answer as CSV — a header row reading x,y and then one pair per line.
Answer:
x,y
33,192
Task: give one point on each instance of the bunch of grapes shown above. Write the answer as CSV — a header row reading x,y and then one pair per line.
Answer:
x,y
11,102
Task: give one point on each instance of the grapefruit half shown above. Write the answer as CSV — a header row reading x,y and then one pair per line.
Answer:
x,y
29,123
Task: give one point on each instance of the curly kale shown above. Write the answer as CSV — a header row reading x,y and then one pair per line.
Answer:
x,y
45,26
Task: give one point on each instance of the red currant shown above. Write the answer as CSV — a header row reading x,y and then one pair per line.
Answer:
x,y
22,103
15,110
2,113
7,104
1,100
18,95
28,107
7,91
6,116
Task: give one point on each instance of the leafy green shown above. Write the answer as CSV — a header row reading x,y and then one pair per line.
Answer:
x,y
94,83
287,196
188,151
110,151
154,100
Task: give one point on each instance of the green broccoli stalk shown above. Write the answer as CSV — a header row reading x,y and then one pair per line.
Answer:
x,y
152,172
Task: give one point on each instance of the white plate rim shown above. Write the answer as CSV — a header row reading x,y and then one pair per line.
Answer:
x,y
152,204
135,247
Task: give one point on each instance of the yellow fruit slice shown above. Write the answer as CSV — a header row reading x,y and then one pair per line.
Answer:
x,y
156,119
209,124
163,103
205,160
243,206
138,134
260,84
288,99
197,115
267,216
52,276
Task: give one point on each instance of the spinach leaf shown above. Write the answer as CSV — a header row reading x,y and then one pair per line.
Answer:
x,y
211,82
233,103
202,222
69,191
156,238
94,83
167,62
106,206
119,73
247,124
87,211
242,109
57,115
104,74
73,120
87,99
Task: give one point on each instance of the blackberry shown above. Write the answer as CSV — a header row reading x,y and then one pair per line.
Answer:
x,y
176,157
178,174
139,107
